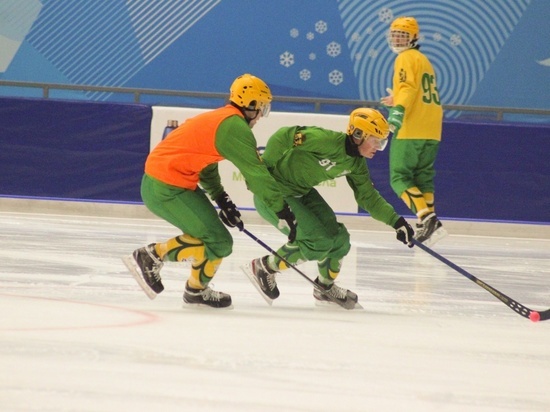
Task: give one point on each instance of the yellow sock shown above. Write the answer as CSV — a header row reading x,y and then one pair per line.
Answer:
x,y
180,248
187,248
203,272
414,200
329,269
429,198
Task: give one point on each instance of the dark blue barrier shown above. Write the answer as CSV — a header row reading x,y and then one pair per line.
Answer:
x,y
73,149
486,171
96,151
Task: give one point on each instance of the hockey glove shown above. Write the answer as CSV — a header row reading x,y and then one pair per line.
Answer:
x,y
287,220
404,232
229,214
395,118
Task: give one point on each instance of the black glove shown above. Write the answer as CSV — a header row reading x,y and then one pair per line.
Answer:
x,y
404,232
229,214
287,220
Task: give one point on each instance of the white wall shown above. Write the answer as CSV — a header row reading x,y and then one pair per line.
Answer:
x,y
337,192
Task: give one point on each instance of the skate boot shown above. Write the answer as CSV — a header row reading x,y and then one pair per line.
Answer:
x,y
263,278
335,294
145,266
430,230
206,297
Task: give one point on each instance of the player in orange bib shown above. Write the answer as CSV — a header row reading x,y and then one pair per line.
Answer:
x,y
188,157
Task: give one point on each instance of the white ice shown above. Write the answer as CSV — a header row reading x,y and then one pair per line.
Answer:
x,y
78,334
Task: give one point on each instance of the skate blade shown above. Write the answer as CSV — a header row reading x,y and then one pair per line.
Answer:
x,y
134,270
436,236
326,304
248,272
203,307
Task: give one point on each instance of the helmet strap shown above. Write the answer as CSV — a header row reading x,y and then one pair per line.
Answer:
x,y
352,149
247,117
245,112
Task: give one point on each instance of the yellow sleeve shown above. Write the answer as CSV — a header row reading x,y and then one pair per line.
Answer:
x,y
405,82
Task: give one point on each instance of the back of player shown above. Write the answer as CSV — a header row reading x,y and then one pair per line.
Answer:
x,y
415,118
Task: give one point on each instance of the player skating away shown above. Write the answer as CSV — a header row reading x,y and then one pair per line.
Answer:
x,y
170,188
300,158
416,121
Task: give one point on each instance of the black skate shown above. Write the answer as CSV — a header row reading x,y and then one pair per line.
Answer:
x,y
206,297
334,294
430,230
263,278
145,266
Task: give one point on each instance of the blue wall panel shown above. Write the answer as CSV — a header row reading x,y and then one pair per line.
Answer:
x,y
96,151
485,171
486,53
77,150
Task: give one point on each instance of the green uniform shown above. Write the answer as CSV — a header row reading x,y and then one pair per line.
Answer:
x,y
179,163
414,148
300,158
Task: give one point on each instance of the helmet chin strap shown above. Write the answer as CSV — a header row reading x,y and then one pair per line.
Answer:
x,y
352,149
245,112
248,118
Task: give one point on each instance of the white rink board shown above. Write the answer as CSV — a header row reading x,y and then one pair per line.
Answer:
x,y
337,192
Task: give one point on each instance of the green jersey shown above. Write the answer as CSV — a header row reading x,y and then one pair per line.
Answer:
x,y
300,158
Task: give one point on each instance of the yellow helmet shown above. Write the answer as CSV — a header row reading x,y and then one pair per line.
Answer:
x,y
251,93
403,34
365,122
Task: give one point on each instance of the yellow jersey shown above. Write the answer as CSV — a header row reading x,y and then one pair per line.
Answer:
x,y
415,88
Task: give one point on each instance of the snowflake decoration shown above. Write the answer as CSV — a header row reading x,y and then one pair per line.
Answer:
x,y
372,53
294,33
355,37
437,36
333,49
335,77
286,59
456,40
321,27
310,36
385,15
369,30
358,56
312,56
305,75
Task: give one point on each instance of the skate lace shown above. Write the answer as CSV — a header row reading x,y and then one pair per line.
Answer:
x,y
155,267
263,272
338,292
209,294
271,281
420,229
426,228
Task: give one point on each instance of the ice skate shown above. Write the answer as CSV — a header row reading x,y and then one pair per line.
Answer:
x,y
263,278
430,230
145,266
206,298
346,298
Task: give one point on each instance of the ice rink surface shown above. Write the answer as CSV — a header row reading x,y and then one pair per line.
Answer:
x,y
78,334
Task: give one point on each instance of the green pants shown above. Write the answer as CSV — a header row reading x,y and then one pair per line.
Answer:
x,y
412,164
319,235
190,211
